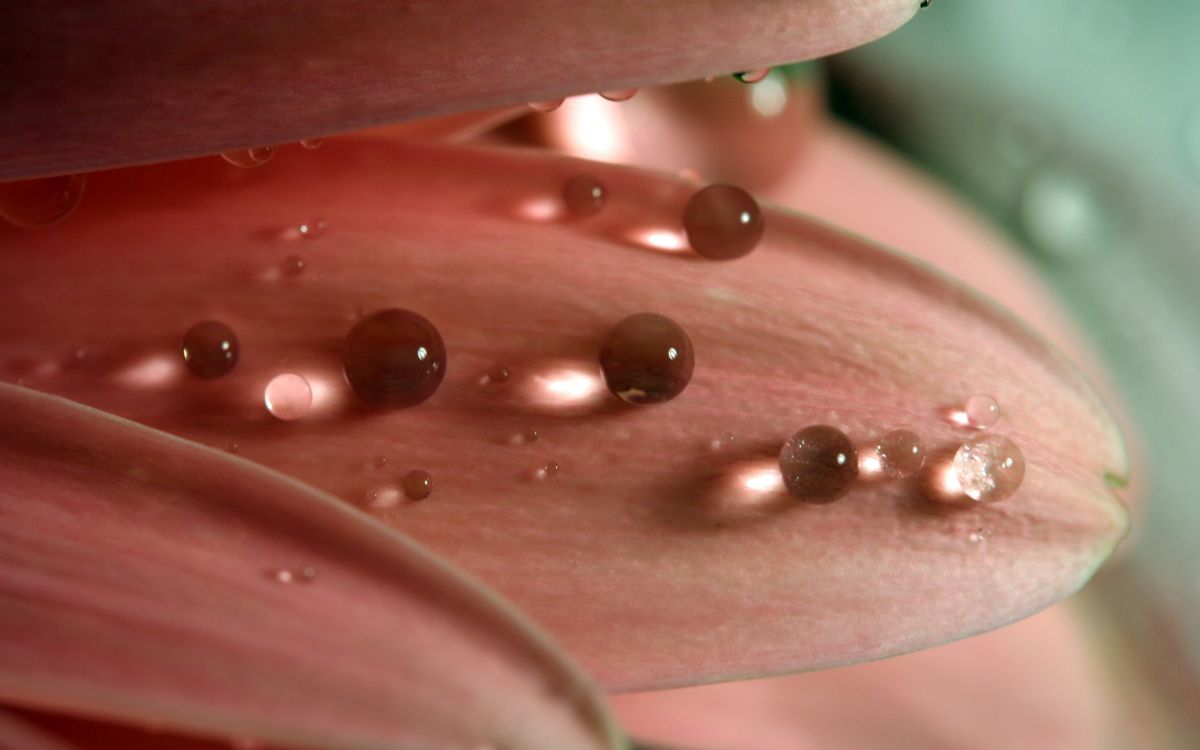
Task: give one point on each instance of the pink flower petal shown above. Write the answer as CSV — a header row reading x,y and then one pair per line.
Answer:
x,y
148,580
654,558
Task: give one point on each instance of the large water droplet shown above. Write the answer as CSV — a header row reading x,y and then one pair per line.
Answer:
x,y
723,222
583,195
900,454
619,95
418,484
982,411
647,359
249,157
210,349
41,203
989,468
1064,214
288,396
394,358
819,464
549,105
752,76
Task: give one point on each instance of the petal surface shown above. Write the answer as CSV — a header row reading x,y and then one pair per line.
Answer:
x,y
149,580
656,559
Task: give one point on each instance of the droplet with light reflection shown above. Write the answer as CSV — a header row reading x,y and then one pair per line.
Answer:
x,y
394,358
548,470
981,411
752,76
723,222
819,464
584,195
418,484
312,143
647,358
498,373
210,349
249,157
619,95
979,535
901,454
293,265
288,396
312,229
989,468
33,204
548,105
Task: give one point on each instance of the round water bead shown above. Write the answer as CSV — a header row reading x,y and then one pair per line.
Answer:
x,y
647,359
619,95
723,222
418,484
819,463
288,396
982,411
584,195
394,358
312,143
249,157
989,467
41,203
312,229
210,349
548,105
900,453
752,76
293,265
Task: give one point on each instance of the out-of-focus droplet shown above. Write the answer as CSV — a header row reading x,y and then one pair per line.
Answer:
x,y
249,157
497,373
770,97
989,468
312,229
752,76
549,469
647,358
210,349
979,535
584,195
900,454
33,204
523,438
723,222
288,396
293,265
819,464
418,484
724,442
283,575
312,143
982,411
1064,215
619,95
394,358
386,496
549,105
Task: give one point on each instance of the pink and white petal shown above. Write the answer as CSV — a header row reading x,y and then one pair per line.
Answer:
x,y
654,559
148,580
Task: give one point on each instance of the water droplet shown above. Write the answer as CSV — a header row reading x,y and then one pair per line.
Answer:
x,y
549,105
619,95
293,265
1063,214
523,438
307,574
418,484
210,349
79,354
584,195
900,454
249,157
647,359
387,496
770,97
312,143
283,575
380,462
819,463
989,468
497,373
312,229
41,203
979,535
982,411
232,447
752,76
288,396
926,3
394,358
723,222
723,442
550,469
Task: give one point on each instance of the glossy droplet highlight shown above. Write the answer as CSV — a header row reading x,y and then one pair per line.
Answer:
x,y
41,203
549,469
249,157
584,195
549,105
900,454
752,76
288,396
989,468
210,349
982,411
312,229
647,359
418,484
293,265
394,358
723,222
819,464
497,374
619,95
980,535
312,143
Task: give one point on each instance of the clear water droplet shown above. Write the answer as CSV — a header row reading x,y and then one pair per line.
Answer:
x,y
549,469
584,195
989,468
496,374
723,222
982,411
33,204
979,535
619,95
549,105
900,454
418,484
288,396
312,143
210,349
752,76
637,363
293,265
819,464
283,575
312,229
249,157
380,462
394,358
307,574
722,443
523,438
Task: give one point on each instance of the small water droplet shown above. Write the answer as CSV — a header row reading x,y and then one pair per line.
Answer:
x,y
33,204
312,229
312,143
293,265
979,535
79,354
288,396
723,222
722,443
523,438
900,454
549,469
584,195
619,95
418,484
989,468
386,496
210,349
549,105
982,411
496,374
307,574
249,157
819,464
394,358
283,575
637,362
752,76
232,447
380,462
